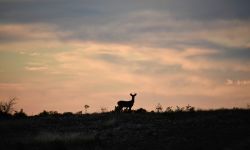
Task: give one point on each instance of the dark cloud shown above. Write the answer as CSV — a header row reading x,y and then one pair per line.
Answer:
x,y
208,9
242,54
48,11
111,58
159,23
225,53
62,11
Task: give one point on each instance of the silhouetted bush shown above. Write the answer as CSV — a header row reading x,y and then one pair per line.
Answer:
x,y
140,110
78,113
43,114
48,113
20,114
68,114
4,115
189,108
7,107
104,110
169,109
117,109
179,109
158,108
86,108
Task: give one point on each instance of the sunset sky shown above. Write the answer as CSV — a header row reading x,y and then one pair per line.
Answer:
x,y
63,54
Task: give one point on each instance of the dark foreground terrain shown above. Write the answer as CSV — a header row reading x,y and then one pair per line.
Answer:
x,y
220,129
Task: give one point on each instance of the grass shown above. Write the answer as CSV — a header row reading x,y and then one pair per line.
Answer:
x,y
214,129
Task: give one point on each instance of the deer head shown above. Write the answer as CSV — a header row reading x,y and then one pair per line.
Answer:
x,y
133,95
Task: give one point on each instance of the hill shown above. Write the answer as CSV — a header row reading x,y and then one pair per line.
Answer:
x,y
214,129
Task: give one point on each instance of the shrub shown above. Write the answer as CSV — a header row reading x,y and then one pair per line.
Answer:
x,y
169,109
158,108
48,113
103,109
86,108
179,109
68,114
117,109
78,113
8,106
20,114
190,108
141,110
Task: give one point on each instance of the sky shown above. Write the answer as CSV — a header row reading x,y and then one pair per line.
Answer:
x,y
60,54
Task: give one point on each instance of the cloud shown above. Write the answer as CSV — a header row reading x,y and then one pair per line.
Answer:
x,y
229,82
237,82
207,10
150,24
40,68
150,28
156,29
91,11
29,32
147,60
29,53
11,86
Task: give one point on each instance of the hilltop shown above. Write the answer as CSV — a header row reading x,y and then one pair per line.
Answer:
x,y
214,129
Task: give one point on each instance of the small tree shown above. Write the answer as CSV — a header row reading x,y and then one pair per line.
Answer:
x,y
104,109
79,113
118,109
190,108
169,109
86,108
141,110
7,107
248,106
179,109
20,114
158,108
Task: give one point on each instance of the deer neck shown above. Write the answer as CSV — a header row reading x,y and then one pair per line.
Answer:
x,y
133,99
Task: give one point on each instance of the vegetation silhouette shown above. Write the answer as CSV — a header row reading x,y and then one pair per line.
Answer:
x,y
158,108
86,108
173,128
7,109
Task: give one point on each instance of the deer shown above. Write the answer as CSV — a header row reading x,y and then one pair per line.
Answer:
x,y
126,104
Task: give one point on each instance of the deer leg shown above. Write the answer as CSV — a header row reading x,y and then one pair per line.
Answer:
x,y
120,108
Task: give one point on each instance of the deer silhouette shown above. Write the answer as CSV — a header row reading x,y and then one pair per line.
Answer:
x,y
126,104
